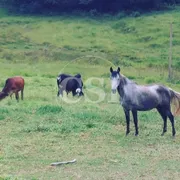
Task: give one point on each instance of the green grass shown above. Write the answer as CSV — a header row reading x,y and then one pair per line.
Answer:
x,y
128,41
43,128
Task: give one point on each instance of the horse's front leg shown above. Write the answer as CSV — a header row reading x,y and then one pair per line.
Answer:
x,y
22,94
60,92
134,112
17,96
127,114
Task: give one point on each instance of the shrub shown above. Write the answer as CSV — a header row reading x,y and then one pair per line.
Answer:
x,y
49,109
177,65
150,80
7,56
92,6
2,117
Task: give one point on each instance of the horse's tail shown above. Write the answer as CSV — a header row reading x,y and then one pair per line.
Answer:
x,y
175,100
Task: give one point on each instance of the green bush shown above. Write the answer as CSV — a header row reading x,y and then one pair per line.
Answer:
x,y
2,117
49,109
150,80
177,65
92,6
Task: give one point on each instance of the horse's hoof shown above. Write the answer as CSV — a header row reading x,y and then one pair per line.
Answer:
x,y
127,133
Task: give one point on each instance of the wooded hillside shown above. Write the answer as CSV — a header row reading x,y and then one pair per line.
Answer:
x,y
99,6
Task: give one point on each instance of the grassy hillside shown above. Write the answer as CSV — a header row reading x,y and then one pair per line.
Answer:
x,y
137,42
43,128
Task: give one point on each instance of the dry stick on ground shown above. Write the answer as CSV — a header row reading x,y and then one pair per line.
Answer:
x,y
63,162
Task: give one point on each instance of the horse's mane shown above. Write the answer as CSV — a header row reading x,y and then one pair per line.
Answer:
x,y
125,80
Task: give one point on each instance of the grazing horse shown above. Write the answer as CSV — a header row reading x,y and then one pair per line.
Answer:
x,y
13,85
135,98
70,83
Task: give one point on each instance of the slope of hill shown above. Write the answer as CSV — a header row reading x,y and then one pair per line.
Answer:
x,y
141,40
44,128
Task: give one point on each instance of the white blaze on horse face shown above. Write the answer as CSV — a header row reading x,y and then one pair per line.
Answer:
x,y
115,83
78,90
58,78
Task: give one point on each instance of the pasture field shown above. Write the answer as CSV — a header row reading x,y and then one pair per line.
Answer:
x,y
43,128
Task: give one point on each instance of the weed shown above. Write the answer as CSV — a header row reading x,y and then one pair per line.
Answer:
x,y
154,45
90,125
135,14
2,117
146,39
48,76
85,115
4,110
121,15
7,56
177,65
26,74
124,28
49,109
150,80
131,77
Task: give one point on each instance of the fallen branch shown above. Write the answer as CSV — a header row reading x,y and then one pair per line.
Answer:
x,y
62,162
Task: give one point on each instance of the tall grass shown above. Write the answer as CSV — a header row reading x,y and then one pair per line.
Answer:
x,y
142,40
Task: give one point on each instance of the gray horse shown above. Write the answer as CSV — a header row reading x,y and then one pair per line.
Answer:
x,y
136,98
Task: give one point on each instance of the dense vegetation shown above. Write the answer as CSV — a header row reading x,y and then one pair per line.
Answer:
x,y
40,6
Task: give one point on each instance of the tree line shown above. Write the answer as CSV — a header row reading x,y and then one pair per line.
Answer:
x,y
99,6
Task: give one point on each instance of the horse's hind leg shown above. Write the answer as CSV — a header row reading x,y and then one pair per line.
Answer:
x,y
127,114
17,96
162,112
171,117
134,112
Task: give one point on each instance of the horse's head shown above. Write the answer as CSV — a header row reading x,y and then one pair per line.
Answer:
x,y
3,95
79,92
115,79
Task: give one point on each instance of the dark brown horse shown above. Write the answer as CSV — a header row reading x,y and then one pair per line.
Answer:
x,y
13,85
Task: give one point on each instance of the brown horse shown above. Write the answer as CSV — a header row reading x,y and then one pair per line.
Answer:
x,y
13,85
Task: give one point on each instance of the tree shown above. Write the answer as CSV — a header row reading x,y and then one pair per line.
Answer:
x,y
38,6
